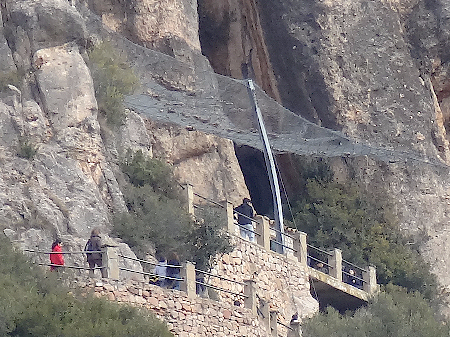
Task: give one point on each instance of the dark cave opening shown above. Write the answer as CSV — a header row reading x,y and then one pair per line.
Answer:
x,y
253,168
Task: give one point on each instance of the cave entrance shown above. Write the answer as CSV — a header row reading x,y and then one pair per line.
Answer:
x,y
253,168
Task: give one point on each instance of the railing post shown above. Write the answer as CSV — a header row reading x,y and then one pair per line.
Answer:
x,y
250,299
335,262
110,262
263,231
264,310
273,323
231,226
289,241
370,280
301,248
188,276
190,198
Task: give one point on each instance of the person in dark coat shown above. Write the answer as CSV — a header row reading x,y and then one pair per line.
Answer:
x,y
173,271
56,259
245,215
94,244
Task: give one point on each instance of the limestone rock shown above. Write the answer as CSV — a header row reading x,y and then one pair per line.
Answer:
x,y
46,23
165,25
133,135
232,48
66,86
6,61
196,156
158,20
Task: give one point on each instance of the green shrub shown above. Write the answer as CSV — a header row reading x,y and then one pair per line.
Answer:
x,y
14,78
141,171
152,220
26,149
363,225
394,313
113,79
34,304
157,217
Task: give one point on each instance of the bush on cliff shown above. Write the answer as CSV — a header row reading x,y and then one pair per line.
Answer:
x,y
13,78
157,216
394,313
113,79
142,171
362,224
152,219
36,304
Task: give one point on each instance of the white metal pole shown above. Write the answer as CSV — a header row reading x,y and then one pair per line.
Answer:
x,y
270,166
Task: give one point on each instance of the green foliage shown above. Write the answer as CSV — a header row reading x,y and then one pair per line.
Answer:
x,y
26,149
34,304
113,79
208,238
152,219
362,224
394,313
12,78
148,171
158,218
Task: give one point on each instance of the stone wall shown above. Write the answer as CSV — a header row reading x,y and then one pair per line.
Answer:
x,y
281,282
268,289
185,317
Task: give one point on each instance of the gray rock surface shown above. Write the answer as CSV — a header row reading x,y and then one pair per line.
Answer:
x,y
6,61
46,23
68,184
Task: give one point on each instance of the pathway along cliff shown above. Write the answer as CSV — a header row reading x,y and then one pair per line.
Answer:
x,y
376,72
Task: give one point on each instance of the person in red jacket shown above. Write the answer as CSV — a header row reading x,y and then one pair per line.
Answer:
x,y
56,258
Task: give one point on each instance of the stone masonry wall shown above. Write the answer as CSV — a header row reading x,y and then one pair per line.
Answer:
x,y
185,317
276,287
281,282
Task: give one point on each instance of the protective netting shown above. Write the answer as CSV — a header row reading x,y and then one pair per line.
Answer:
x,y
230,114
191,95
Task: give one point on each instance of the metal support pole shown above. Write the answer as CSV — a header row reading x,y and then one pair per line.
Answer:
x,y
270,166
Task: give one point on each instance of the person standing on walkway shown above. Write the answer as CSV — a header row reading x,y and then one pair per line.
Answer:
x,y
245,215
94,245
161,271
173,271
56,258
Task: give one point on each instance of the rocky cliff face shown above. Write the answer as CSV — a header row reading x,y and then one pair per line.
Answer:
x,y
68,185
376,70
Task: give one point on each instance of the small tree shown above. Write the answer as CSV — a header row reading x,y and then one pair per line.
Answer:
x,y
153,221
208,238
363,225
157,217
392,313
33,304
113,79
142,171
